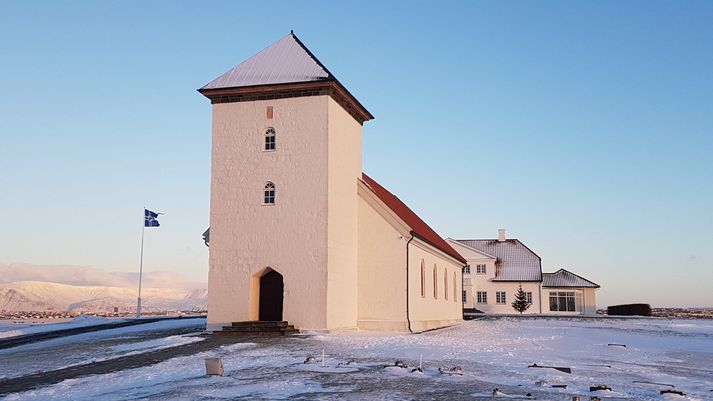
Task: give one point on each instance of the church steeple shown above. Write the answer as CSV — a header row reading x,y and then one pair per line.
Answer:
x,y
284,69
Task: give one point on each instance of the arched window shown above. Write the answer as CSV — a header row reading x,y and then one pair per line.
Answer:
x,y
423,278
269,198
455,299
270,139
435,282
445,284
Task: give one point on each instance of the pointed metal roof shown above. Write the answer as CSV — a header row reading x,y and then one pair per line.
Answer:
x,y
565,278
284,69
285,61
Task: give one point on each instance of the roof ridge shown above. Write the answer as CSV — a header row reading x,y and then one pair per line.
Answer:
x,y
279,62
314,58
489,239
419,228
472,248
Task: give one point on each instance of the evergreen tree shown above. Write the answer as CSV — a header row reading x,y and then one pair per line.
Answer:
x,y
520,303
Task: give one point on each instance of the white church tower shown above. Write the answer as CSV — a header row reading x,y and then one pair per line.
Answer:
x,y
286,159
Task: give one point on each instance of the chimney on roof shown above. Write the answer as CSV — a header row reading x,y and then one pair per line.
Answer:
x,y
501,235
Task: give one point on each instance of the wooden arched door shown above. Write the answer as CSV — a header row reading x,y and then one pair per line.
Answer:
x,y
271,296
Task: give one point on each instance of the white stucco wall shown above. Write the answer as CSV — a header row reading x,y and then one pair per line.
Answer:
x,y
382,269
290,236
342,257
382,274
344,163
510,288
428,312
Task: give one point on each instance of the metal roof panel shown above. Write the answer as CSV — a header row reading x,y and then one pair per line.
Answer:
x,y
565,278
514,261
285,61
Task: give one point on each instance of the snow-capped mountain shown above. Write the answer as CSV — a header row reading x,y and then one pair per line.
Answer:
x,y
85,289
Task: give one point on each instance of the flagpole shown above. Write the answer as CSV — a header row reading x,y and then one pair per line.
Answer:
x,y
141,264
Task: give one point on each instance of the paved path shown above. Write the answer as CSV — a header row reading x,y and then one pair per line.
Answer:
x,y
33,381
47,335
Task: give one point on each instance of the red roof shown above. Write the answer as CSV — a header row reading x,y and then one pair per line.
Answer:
x,y
419,228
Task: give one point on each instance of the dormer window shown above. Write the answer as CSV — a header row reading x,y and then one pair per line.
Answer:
x,y
269,198
270,139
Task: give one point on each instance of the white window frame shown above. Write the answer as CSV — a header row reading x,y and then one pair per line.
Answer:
x,y
500,297
528,297
466,269
268,194
270,143
562,301
481,269
482,297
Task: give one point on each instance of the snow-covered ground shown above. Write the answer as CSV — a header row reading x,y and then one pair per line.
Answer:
x,y
492,353
8,329
98,346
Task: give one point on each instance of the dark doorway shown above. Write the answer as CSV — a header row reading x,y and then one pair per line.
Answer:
x,y
271,292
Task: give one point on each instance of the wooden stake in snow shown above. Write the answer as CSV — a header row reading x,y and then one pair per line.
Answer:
x,y
561,369
322,357
601,387
420,362
658,384
669,391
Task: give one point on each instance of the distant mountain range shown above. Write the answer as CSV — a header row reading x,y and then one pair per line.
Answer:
x,y
25,287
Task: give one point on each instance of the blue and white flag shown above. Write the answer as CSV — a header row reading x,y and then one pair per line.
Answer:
x,y
150,218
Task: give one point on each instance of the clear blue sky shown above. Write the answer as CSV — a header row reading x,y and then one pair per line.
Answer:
x,y
583,128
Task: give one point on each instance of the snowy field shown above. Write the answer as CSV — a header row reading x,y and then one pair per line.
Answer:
x,y
492,354
10,328
96,346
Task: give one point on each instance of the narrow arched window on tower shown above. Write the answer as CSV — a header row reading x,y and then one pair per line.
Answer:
x,y
423,279
445,284
269,198
270,139
435,282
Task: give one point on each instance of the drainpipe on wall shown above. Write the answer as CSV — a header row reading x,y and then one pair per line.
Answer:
x,y
408,317
540,285
462,288
584,303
